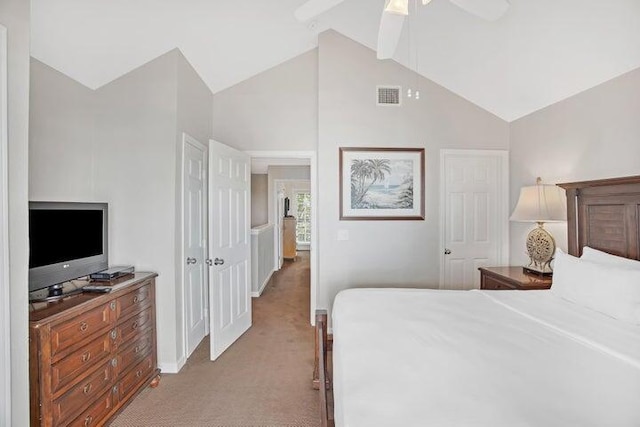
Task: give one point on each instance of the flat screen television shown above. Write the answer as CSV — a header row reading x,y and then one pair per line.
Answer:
x,y
66,241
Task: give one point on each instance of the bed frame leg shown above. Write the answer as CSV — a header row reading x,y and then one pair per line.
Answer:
x,y
321,337
320,375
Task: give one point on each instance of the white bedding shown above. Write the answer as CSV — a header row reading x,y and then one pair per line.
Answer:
x,y
406,357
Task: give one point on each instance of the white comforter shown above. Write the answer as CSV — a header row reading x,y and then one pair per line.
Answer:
x,y
407,357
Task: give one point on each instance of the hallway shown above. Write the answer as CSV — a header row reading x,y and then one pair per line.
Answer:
x,y
264,379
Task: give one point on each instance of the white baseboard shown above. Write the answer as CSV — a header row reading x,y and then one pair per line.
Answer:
x,y
264,284
172,368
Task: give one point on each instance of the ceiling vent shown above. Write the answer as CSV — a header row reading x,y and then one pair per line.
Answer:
x,y
389,95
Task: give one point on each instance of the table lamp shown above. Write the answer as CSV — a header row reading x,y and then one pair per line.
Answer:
x,y
540,203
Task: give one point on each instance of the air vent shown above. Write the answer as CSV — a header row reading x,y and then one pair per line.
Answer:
x,y
389,95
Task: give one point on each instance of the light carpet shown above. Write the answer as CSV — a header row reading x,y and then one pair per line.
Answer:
x,y
264,379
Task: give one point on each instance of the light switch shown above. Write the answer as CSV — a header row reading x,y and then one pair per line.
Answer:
x,y
343,235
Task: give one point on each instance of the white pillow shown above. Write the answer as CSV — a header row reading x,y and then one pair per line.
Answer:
x,y
611,290
594,255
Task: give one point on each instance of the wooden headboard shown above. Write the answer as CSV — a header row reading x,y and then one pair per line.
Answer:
x,y
604,215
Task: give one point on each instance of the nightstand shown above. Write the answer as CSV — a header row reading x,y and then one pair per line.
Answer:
x,y
511,278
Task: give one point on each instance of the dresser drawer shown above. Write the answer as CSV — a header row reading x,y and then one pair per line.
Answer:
x,y
75,330
132,379
96,413
90,354
80,362
81,396
138,350
135,301
491,283
129,329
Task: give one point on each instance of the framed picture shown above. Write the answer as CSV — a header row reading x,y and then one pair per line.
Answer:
x,y
381,183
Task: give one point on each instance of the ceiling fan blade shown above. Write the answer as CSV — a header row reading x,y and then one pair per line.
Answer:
x,y
313,8
391,25
490,10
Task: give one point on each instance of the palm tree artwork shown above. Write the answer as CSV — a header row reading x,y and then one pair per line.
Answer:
x,y
381,184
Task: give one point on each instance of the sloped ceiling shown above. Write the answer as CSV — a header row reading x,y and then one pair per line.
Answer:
x,y
539,53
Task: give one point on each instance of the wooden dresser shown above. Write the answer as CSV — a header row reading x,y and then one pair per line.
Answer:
x,y
289,238
90,354
510,278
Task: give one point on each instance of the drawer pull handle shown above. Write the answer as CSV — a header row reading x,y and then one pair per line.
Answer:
x,y
114,362
138,374
87,389
112,305
135,325
86,356
115,389
87,421
84,326
137,349
135,299
114,334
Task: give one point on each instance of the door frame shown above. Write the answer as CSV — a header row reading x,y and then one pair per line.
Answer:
x,y
279,259
181,268
503,202
312,156
5,302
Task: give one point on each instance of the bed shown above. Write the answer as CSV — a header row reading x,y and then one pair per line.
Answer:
x,y
407,357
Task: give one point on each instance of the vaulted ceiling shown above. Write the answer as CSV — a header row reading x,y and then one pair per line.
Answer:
x,y
539,53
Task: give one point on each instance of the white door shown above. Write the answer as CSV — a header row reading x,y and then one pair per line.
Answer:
x,y
474,215
280,195
194,240
229,245
5,312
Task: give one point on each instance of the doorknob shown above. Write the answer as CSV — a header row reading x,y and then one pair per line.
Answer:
x,y
218,261
191,261
447,251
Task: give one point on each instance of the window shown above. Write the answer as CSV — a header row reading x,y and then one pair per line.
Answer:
x,y
303,209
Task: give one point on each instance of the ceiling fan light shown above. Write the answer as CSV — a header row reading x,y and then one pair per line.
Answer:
x,y
398,7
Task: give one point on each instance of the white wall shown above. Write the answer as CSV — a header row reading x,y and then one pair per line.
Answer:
x,y
194,109
124,139
275,110
262,257
290,188
592,135
14,15
259,199
62,133
289,173
135,171
385,253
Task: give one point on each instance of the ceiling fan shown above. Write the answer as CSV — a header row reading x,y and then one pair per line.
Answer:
x,y
395,12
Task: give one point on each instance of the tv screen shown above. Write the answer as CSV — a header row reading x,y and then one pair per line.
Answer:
x,y
64,235
66,241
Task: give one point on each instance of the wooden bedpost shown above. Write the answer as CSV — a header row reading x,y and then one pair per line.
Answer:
x,y
321,336
320,377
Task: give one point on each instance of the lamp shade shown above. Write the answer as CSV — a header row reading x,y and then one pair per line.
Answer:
x,y
541,203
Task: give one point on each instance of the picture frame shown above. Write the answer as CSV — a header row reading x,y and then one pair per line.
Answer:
x,y
381,183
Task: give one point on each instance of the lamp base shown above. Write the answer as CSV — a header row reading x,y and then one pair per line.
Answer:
x,y
535,272
541,246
